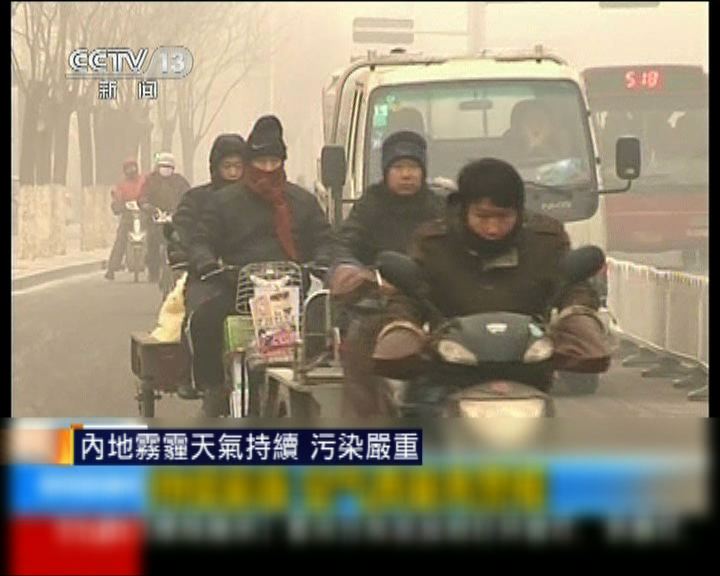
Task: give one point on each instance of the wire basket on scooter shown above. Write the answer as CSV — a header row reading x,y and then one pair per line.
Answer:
x,y
277,274
268,277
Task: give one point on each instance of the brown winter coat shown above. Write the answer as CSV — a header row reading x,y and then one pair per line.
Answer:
x,y
523,280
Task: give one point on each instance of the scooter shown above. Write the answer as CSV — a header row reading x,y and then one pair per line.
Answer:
x,y
481,365
246,357
137,238
169,274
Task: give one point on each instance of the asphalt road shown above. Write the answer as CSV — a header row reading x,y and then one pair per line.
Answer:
x,y
71,357
71,348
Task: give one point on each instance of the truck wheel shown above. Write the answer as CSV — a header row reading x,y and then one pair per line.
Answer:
x,y
146,400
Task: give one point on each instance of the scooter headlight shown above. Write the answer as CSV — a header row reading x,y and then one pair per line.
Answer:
x,y
539,350
524,408
455,353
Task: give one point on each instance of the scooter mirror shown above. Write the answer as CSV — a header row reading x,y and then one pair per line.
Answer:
x,y
400,270
582,263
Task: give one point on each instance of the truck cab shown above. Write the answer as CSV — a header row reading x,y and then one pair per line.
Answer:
x,y
528,108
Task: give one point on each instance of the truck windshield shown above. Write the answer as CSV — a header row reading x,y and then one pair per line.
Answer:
x,y
537,126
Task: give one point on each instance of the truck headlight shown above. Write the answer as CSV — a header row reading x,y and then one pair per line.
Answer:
x,y
539,350
455,353
525,408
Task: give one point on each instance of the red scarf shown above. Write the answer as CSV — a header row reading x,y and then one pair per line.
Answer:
x,y
270,187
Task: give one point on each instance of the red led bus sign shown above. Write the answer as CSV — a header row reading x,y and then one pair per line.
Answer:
x,y
643,80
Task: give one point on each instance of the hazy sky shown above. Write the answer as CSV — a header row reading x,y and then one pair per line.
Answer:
x,y
320,41
316,39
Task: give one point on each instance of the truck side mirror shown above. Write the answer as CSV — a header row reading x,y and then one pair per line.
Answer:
x,y
627,158
627,162
333,167
332,172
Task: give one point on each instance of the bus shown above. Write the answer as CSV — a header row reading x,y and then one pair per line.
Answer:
x,y
666,107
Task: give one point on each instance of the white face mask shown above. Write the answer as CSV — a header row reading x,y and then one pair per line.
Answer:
x,y
165,170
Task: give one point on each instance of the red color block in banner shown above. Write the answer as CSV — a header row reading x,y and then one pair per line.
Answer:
x,y
76,546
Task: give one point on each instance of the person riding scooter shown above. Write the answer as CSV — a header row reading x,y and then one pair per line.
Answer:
x,y
384,218
129,189
487,255
162,191
261,218
226,167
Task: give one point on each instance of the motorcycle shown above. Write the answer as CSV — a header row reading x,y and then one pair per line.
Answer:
x,y
137,239
481,365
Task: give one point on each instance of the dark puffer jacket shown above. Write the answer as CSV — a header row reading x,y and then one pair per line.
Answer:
x,y
192,204
381,220
164,192
238,227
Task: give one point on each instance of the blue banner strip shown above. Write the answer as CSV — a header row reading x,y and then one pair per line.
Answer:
x,y
66,490
597,489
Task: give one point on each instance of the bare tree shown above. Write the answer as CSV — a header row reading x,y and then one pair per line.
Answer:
x,y
38,30
227,42
226,39
29,61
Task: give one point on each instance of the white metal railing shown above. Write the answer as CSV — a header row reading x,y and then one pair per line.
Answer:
x,y
663,309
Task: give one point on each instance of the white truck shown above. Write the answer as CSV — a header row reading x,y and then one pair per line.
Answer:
x,y
469,107
466,108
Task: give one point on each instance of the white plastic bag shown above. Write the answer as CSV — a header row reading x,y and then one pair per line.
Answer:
x,y
172,313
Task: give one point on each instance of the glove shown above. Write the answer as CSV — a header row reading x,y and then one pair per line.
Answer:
x,y
582,341
399,350
347,279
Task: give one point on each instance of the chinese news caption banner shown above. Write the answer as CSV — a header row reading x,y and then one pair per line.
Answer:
x,y
247,447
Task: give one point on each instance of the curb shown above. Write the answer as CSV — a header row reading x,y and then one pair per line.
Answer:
x,y
39,278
